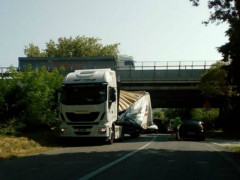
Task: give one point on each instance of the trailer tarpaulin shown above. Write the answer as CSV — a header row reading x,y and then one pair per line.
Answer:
x,y
127,98
137,110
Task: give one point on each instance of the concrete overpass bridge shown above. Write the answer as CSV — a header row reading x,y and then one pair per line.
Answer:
x,y
168,88
170,84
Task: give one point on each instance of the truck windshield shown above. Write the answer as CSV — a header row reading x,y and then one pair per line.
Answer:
x,y
81,94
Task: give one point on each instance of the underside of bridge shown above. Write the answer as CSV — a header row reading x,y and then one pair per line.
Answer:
x,y
165,96
176,99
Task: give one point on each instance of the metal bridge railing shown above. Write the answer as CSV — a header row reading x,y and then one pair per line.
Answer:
x,y
4,71
169,65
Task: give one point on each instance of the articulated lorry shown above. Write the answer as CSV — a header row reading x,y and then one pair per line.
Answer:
x,y
93,106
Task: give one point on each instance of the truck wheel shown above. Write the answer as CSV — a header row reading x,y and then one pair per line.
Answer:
x,y
110,141
122,135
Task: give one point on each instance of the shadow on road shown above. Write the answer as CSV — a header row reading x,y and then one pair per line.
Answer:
x,y
160,163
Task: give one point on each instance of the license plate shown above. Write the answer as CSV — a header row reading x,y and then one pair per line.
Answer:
x,y
191,133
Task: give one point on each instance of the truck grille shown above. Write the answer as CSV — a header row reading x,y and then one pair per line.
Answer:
x,y
82,117
82,127
82,133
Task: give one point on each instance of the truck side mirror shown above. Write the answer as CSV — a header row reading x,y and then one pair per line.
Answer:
x,y
112,96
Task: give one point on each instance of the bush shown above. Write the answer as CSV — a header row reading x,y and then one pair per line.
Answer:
x,y
27,99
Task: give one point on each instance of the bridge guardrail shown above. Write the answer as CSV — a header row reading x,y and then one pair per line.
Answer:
x,y
169,65
4,71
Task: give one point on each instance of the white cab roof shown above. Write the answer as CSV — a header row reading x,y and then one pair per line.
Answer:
x,y
89,76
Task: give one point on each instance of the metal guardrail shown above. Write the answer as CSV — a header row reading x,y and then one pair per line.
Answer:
x,y
4,71
169,65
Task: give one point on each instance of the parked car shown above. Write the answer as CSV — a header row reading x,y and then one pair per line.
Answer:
x,y
192,129
152,129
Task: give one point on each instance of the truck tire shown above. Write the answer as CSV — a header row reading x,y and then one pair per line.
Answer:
x,y
112,134
122,135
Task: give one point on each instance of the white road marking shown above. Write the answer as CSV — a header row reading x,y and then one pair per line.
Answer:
x,y
94,173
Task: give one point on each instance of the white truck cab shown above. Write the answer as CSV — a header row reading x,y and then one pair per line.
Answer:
x,y
88,105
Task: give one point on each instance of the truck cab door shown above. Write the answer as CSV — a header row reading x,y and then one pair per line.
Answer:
x,y
112,103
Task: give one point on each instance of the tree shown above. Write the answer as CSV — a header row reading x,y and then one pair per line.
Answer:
x,y
214,82
228,11
216,88
33,51
206,115
156,114
27,99
81,46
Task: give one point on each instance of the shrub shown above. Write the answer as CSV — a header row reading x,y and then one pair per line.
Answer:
x,y
28,98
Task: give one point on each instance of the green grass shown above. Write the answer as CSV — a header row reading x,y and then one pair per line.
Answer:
x,y
26,144
235,149
220,134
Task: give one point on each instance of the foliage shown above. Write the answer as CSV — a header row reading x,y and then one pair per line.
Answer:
x,y
184,113
231,53
33,51
223,10
214,82
235,149
228,11
27,99
158,114
160,120
161,117
208,116
81,46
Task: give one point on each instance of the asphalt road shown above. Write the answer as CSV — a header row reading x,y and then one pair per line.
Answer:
x,y
147,157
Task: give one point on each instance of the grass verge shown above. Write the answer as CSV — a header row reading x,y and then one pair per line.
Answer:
x,y
235,149
26,144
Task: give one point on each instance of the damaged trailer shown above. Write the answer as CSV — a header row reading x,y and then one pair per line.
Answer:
x,y
135,112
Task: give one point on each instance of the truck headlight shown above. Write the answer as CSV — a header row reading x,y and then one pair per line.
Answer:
x,y
102,130
63,130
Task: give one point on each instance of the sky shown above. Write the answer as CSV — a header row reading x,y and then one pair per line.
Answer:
x,y
147,30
